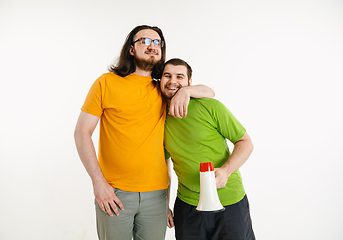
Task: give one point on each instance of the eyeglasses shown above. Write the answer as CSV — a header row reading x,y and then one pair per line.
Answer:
x,y
147,41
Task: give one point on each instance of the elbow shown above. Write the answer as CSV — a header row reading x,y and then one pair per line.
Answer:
x,y
81,135
248,144
213,94
76,135
207,91
251,147
76,132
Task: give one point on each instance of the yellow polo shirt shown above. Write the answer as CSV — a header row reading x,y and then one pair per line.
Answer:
x,y
132,115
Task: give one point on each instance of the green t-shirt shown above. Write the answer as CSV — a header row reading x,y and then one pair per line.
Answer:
x,y
201,137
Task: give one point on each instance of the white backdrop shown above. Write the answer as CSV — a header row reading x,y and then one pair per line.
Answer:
x,y
277,65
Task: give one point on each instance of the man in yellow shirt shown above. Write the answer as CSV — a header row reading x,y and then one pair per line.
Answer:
x,y
130,171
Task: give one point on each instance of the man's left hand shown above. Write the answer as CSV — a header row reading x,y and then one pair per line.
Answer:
x,y
170,222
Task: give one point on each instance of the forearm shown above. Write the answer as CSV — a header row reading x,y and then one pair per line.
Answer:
x,y
199,91
170,222
86,150
240,154
168,161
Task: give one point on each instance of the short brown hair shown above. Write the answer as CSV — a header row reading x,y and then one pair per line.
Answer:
x,y
178,62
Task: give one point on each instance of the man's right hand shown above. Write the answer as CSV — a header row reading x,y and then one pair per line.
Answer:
x,y
106,198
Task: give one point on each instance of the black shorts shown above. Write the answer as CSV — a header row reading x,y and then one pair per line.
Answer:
x,y
232,224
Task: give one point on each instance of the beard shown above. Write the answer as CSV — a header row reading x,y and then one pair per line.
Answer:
x,y
169,95
145,64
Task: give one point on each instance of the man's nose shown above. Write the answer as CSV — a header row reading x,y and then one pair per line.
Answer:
x,y
172,80
152,45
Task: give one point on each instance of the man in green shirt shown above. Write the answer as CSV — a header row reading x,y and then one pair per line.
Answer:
x,y
201,137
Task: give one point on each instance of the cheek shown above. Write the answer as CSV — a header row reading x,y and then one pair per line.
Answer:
x,y
139,50
159,51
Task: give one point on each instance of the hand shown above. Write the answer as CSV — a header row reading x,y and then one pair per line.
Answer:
x,y
179,103
106,198
221,177
170,218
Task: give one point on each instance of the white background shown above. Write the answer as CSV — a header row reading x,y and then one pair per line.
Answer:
x,y
277,65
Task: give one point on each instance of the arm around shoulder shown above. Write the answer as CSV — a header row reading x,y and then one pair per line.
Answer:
x,y
179,103
200,91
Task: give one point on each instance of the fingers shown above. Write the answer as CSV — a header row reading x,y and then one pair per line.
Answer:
x,y
217,182
179,104
185,110
106,198
119,203
111,206
105,207
170,222
174,111
178,110
220,178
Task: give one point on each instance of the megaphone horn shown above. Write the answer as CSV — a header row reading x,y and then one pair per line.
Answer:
x,y
209,200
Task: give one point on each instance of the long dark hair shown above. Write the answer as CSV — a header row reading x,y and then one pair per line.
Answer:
x,y
125,64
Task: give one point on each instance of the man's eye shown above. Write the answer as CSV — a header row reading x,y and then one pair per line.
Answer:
x,y
180,77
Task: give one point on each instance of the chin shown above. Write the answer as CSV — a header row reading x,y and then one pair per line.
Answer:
x,y
167,96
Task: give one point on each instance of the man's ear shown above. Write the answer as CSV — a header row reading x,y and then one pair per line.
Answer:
x,y
132,51
190,82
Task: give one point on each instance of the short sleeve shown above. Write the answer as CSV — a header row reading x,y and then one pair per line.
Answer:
x,y
227,124
93,102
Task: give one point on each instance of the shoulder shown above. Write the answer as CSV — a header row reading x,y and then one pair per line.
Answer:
x,y
211,105
204,106
108,77
206,102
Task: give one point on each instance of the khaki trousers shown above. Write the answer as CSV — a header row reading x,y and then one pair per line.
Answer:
x,y
144,217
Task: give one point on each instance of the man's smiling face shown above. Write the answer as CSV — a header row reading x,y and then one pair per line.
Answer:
x,y
173,78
